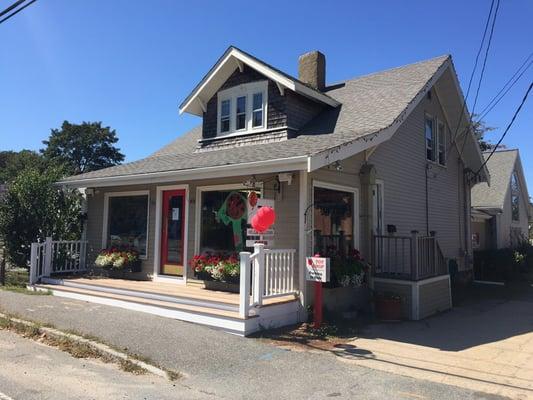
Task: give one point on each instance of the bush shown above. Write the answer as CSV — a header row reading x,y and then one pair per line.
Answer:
x,y
33,209
503,264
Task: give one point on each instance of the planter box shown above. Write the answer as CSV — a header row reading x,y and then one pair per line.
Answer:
x,y
342,299
222,286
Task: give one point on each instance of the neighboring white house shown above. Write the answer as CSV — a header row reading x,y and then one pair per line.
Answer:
x,y
501,211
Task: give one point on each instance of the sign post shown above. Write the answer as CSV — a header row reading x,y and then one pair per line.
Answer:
x,y
317,271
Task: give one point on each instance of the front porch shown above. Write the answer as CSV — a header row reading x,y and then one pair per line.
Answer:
x,y
266,299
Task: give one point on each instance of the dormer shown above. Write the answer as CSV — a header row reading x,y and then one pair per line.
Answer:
x,y
243,101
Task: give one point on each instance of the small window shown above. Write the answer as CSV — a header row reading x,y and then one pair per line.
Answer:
x,y
224,115
430,139
442,144
240,117
257,117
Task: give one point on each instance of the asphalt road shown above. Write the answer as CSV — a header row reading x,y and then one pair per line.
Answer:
x,y
226,366
30,370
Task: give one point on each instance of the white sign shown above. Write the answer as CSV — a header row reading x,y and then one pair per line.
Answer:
x,y
253,232
266,242
175,214
317,269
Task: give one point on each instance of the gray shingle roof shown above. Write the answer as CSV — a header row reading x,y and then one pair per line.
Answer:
x,y
500,166
370,104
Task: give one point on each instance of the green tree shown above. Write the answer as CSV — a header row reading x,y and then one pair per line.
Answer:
x,y
34,208
82,147
12,163
480,130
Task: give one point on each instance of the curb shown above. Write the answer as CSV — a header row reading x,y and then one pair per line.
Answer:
x,y
98,346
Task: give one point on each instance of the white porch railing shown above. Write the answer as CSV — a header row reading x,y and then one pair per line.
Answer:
x,y
271,274
57,256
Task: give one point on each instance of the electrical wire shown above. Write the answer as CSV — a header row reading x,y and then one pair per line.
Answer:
x,y
12,6
506,129
17,11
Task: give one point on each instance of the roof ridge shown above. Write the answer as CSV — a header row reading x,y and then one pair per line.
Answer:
x,y
445,56
501,151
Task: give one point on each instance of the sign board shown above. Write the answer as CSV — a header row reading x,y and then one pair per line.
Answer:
x,y
175,214
317,269
266,242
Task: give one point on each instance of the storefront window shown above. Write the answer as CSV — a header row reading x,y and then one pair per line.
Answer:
x,y
127,222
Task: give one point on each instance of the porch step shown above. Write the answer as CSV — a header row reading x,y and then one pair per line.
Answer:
x,y
188,299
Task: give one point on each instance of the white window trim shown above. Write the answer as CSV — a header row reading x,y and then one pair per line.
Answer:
x,y
247,90
341,188
213,188
429,117
107,195
443,123
158,226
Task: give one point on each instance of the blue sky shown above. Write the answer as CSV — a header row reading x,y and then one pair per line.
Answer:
x,y
130,63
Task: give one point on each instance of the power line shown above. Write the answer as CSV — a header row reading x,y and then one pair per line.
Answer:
x,y
497,98
472,76
485,59
12,6
17,11
506,129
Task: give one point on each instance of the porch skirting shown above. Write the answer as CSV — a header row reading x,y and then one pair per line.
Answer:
x,y
420,299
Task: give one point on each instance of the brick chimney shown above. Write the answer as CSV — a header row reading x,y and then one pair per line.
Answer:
x,y
312,69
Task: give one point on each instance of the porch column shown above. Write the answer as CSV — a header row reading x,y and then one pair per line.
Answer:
x,y
368,180
302,241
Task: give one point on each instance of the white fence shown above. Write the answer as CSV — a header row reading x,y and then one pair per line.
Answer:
x,y
57,256
271,273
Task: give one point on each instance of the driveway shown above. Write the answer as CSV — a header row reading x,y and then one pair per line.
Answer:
x,y
485,343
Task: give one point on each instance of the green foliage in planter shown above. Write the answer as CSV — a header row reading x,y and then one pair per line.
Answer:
x,y
216,267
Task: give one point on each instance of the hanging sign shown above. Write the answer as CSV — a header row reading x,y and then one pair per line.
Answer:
x,y
175,214
317,269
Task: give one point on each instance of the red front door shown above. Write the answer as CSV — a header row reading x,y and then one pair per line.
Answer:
x,y
173,233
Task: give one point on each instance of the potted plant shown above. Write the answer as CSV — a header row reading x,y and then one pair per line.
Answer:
x,y
347,291
388,306
119,259
218,271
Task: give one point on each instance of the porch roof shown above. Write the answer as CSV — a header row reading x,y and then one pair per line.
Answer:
x,y
372,108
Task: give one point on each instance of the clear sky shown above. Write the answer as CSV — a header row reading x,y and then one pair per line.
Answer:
x,y
129,63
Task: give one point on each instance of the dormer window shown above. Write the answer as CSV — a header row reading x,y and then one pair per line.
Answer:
x,y
242,108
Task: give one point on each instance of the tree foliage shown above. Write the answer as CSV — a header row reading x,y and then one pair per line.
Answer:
x,y
480,130
34,208
12,163
82,147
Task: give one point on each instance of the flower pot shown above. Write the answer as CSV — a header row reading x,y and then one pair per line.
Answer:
x,y
388,309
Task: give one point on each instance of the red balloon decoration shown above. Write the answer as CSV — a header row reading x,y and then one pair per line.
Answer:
x,y
263,219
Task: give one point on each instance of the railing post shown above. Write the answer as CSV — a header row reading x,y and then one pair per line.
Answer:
x,y
244,292
259,273
414,255
47,269
33,263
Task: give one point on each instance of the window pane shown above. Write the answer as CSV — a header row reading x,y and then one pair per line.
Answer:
x,y
224,125
241,105
430,140
224,108
442,144
127,222
257,119
333,222
223,221
258,101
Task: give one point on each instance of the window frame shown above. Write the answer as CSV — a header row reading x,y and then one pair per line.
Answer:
x,y
247,90
340,188
136,193
198,200
443,144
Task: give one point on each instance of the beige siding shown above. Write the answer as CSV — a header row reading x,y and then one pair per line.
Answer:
x,y
434,297
401,163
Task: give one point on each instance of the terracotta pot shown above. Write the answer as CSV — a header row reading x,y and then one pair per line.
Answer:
x,y
388,309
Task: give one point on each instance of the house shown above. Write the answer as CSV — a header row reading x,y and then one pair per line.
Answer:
x,y
382,163
501,211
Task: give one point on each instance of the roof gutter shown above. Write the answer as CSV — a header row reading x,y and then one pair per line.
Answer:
x,y
257,167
